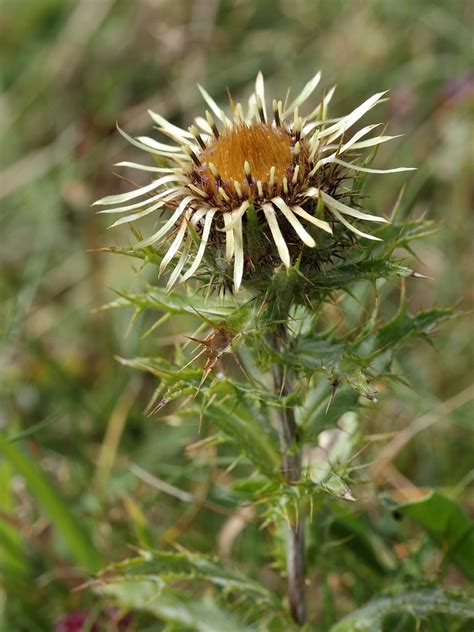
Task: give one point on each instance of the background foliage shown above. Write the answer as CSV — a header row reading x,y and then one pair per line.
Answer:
x,y
85,474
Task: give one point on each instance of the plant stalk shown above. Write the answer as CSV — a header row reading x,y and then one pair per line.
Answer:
x,y
289,436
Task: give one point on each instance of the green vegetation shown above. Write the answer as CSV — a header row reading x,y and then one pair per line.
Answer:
x,y
161,504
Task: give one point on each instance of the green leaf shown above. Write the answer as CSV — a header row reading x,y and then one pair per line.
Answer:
x,y
317,352
175,303
164,568
339,277
333,358
147,255
247,426
314,415
404,326
237,415
448,525
337,452
191,614
179,381
401,235
74,536
420,604
294,286
356,361
328,463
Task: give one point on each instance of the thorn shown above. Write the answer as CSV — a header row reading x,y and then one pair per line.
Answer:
x,y
197,356
418,275
207,370
334,386
161,404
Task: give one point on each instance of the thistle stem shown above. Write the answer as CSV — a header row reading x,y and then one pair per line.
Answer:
x,y
288,432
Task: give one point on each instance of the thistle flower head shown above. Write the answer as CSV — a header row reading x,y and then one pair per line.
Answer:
x,y
254,189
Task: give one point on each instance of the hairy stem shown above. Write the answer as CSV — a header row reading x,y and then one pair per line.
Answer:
x,y
288,432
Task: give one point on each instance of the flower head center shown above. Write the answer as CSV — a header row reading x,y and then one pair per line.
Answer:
x,y
260,144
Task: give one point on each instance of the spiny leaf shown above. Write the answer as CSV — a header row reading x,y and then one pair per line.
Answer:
x,y
189,613
419,604
368,269
235,411
314,415
164,568
401,235
340,444
403,326
333,358
317,352
356,362
248,428
148,255
175,303
162,368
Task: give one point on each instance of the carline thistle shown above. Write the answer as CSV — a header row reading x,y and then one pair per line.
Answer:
x,y
275,174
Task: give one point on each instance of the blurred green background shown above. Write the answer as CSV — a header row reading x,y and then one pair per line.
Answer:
x,y
68,71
